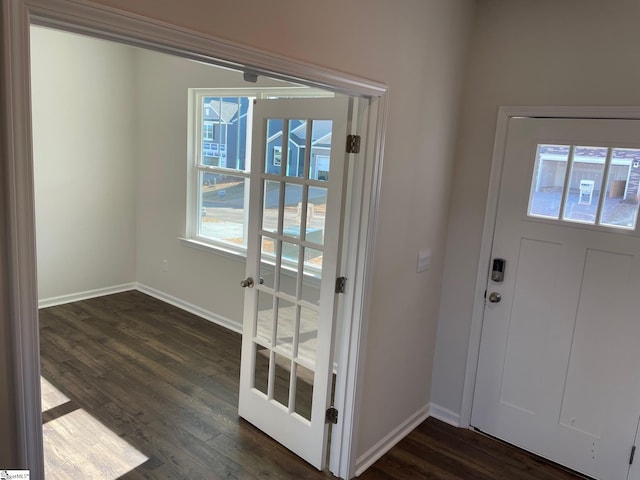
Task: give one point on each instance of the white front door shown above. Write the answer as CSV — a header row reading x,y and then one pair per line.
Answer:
x,y
559,362
298,165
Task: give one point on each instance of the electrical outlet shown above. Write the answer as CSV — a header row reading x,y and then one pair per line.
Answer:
x,y
165,265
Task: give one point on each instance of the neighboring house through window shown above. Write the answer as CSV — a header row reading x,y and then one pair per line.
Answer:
x,y
220,167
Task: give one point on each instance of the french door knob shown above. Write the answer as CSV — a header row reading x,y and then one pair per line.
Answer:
x,y
495,297
247,282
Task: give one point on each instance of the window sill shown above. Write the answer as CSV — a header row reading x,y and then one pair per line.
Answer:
x,y
236,255
289,268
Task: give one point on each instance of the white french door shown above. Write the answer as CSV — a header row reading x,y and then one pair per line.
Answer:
x,y
559,354
296,193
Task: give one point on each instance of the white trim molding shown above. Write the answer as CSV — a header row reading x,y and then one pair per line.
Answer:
x,y
391,440
444,415
18,230
208,315
76,297
19,279
502,127
88,18
191,308
359,252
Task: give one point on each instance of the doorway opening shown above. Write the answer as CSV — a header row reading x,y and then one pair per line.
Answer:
x,y
361,205
109,122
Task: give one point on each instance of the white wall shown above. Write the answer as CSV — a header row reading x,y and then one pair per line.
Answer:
x,y
84,163
417,47
542,52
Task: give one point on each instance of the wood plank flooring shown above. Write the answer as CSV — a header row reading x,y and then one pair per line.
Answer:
x,y
138,389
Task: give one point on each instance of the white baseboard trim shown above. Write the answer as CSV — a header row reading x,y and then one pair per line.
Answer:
x,y
389,441
165,297
445,415
189,307
76,297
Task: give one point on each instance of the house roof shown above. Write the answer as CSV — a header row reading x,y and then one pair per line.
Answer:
x,y
321,133
561,152
217,109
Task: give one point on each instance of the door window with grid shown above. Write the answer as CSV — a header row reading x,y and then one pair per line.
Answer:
x,y
595,185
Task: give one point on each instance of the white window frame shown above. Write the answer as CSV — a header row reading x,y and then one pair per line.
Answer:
x,y
192,236
574,158
277,150
196,134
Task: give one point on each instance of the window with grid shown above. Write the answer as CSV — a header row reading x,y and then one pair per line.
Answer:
x,y
222,165
596,185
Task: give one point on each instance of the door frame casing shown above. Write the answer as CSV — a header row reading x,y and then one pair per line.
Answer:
x,y
17,204
505,114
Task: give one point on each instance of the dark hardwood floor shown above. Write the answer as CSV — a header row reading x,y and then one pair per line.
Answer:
x,y
138,389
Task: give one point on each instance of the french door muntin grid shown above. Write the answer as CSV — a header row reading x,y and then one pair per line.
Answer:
x,y
272,344
563,213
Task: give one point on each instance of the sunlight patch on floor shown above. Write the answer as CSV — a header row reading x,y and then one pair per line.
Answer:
x,y
77,446
51,396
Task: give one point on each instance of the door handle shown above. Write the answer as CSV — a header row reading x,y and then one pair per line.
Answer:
x,y
247,282
495,297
